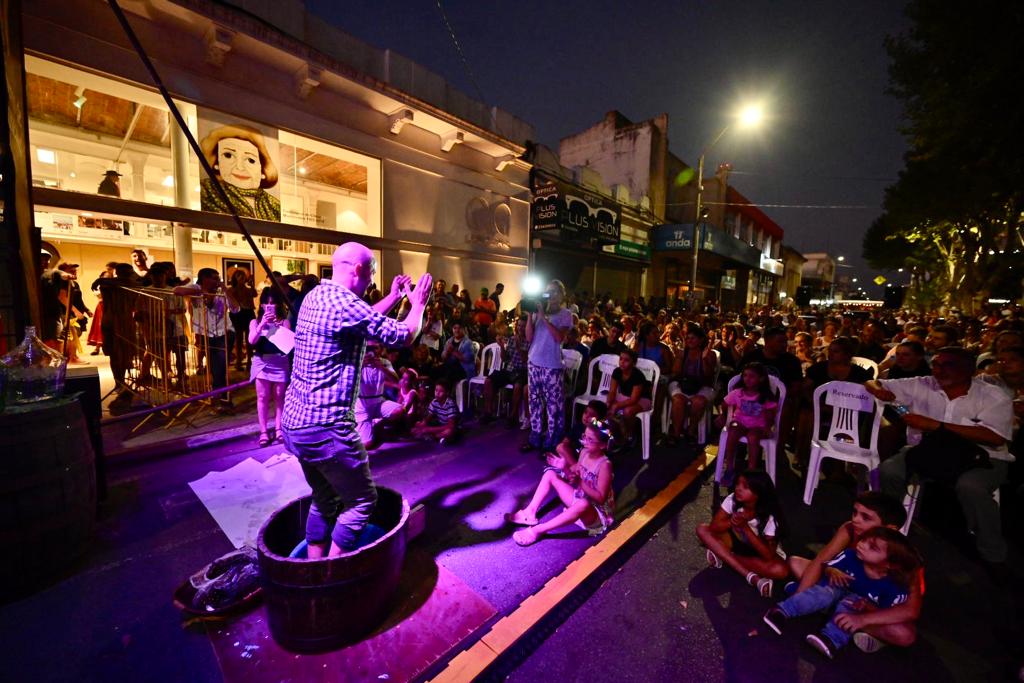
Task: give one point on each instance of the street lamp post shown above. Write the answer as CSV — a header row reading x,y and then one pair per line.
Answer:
x,y
748,118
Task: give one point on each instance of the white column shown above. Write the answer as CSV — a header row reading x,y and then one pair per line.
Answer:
x,y
182,233
137,163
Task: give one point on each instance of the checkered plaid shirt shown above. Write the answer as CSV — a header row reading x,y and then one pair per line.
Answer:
x,y
330,337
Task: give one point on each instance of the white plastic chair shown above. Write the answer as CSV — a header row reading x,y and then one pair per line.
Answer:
x,y
460,386
490,360
867,364
849,401
571,361
606,364
770,446
652,372
910,504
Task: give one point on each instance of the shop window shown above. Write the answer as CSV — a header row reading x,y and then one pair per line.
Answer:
x,y
328,187
97,135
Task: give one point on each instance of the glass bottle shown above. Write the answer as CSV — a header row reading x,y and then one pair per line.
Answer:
x,y
33,371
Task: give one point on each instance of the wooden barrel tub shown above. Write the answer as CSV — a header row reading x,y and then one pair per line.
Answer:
x,y
318,605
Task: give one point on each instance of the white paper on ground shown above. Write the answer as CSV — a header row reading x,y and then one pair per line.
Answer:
x,y
240,499
284,339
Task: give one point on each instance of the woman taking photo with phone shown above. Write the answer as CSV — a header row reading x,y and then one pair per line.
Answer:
x,y
270,364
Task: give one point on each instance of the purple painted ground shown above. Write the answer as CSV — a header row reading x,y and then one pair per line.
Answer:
x,y
112,618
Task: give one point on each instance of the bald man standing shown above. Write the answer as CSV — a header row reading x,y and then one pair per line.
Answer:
x,y
319,424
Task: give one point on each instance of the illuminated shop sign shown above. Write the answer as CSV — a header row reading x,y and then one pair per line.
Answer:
x,y
574,212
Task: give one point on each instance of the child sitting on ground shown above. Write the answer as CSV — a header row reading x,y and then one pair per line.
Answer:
x,y
873,576
584,486
442,419
400,413
895,625
754,404
744,532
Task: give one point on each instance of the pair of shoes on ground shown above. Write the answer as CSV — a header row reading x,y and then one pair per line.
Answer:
x,y
764,586
776,619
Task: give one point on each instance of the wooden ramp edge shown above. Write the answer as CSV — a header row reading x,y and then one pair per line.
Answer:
x,y
470,663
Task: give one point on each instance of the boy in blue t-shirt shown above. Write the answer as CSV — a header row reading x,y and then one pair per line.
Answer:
x,y
441,421
874,575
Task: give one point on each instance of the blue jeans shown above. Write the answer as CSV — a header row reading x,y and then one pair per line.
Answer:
x,y
818,598
338,470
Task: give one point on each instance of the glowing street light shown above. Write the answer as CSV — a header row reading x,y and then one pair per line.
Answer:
x,y
750,116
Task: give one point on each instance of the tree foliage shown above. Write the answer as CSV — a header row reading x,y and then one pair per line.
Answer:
x,y
954,214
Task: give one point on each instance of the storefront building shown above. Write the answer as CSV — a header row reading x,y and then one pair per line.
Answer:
x,y
727,267
739,259
318,138
792,267
585,238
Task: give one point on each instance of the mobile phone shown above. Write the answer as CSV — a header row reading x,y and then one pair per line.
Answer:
x,y
901,409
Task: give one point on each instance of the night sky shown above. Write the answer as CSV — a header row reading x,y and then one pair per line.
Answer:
x,y
831,138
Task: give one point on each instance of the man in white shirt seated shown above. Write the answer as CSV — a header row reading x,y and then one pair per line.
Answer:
x,y
952,399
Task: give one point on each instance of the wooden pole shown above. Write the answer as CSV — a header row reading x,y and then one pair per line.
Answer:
x,y
19,241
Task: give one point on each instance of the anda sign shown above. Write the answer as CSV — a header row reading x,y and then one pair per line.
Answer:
x,y
578,214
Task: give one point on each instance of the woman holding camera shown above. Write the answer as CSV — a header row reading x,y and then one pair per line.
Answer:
x,y
545,331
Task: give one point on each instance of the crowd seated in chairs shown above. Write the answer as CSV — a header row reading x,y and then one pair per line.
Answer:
x,y
803,394
831,375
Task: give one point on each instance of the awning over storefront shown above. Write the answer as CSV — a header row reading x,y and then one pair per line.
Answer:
x,y
678,237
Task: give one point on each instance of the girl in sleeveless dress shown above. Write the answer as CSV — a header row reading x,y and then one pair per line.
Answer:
x,y
583,485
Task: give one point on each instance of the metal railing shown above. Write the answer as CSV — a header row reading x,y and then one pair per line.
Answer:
x,y
165,348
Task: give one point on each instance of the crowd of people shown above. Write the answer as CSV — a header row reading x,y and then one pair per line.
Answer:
x,y
952,387
203,320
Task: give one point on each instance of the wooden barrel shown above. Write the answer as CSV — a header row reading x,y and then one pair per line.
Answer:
x,y
318,605
47,491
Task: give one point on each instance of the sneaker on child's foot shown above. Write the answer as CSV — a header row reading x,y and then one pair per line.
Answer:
x,y
867,642
764,587
822,644
776,619
714,560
